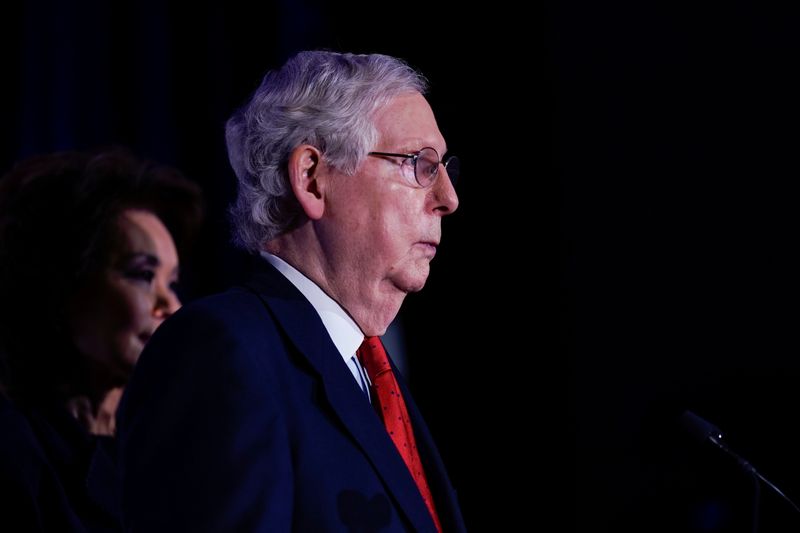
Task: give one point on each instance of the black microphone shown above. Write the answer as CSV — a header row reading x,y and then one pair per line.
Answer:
x,y
703,430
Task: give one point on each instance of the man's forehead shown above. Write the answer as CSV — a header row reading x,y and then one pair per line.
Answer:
x,y
407,123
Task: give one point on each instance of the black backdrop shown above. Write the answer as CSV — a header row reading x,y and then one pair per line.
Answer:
x,y
675,133
163,76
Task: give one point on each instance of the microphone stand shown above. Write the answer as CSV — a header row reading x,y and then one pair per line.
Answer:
x,y
704,430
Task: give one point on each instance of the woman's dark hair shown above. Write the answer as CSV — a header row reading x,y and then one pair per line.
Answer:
x,y
57,222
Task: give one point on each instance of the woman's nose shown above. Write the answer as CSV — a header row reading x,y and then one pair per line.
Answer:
x,y
166,304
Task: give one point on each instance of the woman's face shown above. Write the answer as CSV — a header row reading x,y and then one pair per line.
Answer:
x,y
116,311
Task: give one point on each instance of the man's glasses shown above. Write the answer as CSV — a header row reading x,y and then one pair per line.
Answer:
x,y
425,165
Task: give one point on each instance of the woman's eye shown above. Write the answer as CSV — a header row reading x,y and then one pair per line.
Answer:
x,y
143,275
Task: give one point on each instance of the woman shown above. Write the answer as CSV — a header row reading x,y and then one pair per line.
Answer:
x,y
88,271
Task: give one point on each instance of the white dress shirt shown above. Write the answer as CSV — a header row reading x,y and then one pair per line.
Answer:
x,y
344,332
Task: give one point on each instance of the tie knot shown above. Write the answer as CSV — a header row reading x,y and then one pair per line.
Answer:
x,y
373,357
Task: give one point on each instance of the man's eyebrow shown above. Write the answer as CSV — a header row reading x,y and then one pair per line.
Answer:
x,y
415,144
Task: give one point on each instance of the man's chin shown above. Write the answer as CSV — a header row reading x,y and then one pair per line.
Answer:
x,y
413,285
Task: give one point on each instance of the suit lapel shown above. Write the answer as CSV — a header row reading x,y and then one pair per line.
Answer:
x,y
302,325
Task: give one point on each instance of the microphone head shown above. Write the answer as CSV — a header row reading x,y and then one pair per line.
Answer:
x,y
699,428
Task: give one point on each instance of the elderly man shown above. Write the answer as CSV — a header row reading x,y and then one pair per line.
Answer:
x,y
273,406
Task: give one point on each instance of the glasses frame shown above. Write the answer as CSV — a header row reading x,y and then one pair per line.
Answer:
x,y
415,157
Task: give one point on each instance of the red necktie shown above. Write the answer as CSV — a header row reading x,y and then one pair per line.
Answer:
x,y
393,410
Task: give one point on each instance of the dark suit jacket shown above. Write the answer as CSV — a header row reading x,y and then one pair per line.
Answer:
x,y
242,416
54,476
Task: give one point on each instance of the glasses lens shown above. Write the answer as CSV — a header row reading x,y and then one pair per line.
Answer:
x,y
427,166
453,167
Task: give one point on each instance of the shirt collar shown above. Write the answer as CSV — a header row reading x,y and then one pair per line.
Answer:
x,y
344,332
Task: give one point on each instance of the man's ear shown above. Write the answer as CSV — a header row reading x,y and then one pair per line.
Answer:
x,y
305,163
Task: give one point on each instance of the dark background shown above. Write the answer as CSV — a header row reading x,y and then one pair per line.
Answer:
x,y
675,143
162,77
